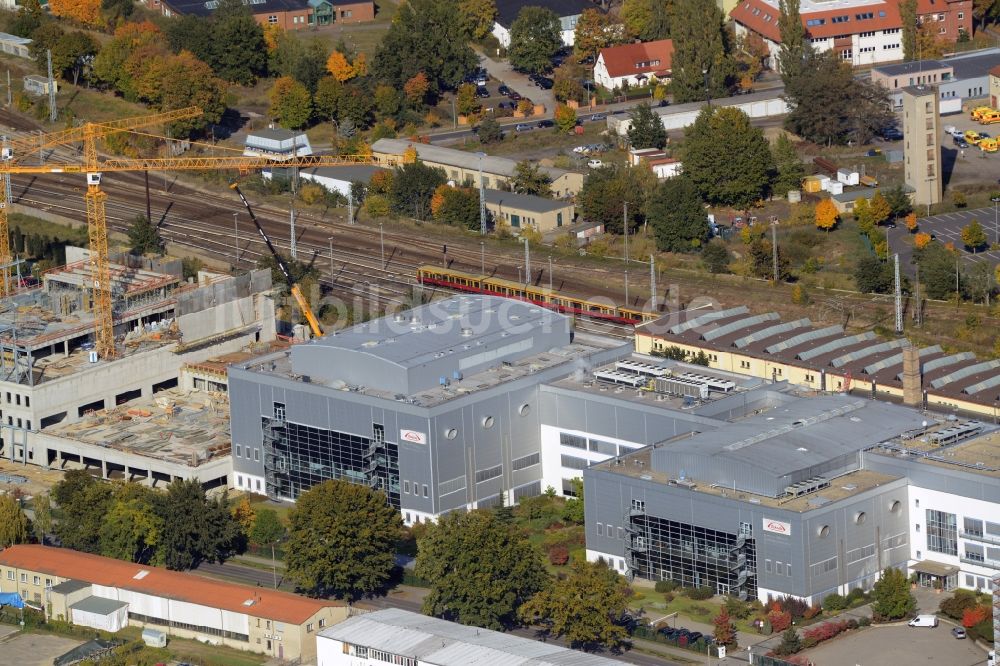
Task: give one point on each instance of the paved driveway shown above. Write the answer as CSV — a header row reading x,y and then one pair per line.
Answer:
x,y
502,71
35,649
880,646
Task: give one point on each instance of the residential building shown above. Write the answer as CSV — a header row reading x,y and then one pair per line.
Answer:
x,y
276,143
463,167
568,12
14,45
658,161
957,79
861,32
525,210
104,593
328,12
396,636
285,14
634,64
922,168
825,358
322,13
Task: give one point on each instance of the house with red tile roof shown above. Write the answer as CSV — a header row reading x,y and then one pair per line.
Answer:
x,y
860,32
106,593
634,64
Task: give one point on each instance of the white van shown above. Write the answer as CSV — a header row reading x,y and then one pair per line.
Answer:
x,y
924,621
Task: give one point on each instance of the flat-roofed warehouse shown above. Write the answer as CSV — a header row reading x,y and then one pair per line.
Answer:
x,y
826,358
104,593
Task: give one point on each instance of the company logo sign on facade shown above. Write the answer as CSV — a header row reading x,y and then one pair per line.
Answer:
x,y
413,436
777,526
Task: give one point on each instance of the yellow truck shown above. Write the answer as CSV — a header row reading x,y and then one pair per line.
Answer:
x,y
978,112
988,145
990,117
972,137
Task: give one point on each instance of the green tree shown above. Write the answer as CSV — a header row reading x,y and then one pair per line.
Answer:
x,y
303,60
715,257
466,102
489,131
573,509
535,37
28,18
761,260
594,31
459,208
83,502
144,237
341,540
908,19
565,118
891,598
898,200
412,187
831,106
267,528
190,33
480,569
115,11
354,109
647,20
530,179
700,66
795,47
980,282
789,170
476,17
879,209
13,522
195,529
291,104
421,38
677,215
727,158
42,524
45,37
973,235
327,97
132,526
873,276
239,53
585,607
72,53
647,129
605,191
790,642
388,101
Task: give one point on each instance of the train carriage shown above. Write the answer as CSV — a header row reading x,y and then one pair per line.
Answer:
x,y
543,296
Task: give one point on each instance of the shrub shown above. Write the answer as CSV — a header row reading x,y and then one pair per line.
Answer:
x,y
834,602
864,621
856,595
780,620
766,628
668,597
812,612
665,586
700,593
956,605
983,631
973,616
790,643
852,624
736,608
377,205
558,555
809,643
795,606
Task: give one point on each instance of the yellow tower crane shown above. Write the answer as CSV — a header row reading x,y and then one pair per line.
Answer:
x,y
16,152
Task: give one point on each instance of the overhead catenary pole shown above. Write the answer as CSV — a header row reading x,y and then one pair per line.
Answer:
x,y
381,242
527,262
291,199
236,240
652,282
625,227
550,272
9,99
899,297
350,207
482,198
774,248
52,89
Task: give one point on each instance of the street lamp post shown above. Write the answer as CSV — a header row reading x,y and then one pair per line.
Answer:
x,y
708,95
996,222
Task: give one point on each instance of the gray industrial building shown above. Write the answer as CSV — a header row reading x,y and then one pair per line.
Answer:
x,y
752,486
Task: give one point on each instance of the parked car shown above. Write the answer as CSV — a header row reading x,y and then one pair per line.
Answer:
x,y
595,164
924,621
958,632
514,95
542,124
892,134
544,83
581,150
598,117
663,103
953,131
960,142
522,127
504,90
482,93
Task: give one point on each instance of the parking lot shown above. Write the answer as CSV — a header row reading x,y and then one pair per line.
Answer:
x,y
878,646
35,649
947,228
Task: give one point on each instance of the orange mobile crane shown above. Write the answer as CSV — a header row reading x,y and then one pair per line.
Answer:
x,y
14,153
283,267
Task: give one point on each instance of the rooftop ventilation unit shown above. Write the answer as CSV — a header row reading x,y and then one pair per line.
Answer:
x,y
684,483
620,378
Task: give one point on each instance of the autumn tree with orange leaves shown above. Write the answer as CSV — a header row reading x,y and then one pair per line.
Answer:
x,y
343,69
826,215
81,11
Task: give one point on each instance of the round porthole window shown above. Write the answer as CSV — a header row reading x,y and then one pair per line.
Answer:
x,y
451,433
524,409
487,421
860,517
823,531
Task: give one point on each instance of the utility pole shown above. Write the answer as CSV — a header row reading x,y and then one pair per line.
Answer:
x,y
350,207
52,89
626,288
482,197
482,257
916,297
9,98
995,200
291,200
331,260
236,241
527,262
652,283
550,272
774,247
381,242
149,209
899,297
625,228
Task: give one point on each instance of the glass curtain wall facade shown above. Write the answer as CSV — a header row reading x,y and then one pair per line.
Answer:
x,y
693,556
296,457
942,532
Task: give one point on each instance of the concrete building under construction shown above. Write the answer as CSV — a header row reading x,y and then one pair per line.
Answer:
x,y
49,373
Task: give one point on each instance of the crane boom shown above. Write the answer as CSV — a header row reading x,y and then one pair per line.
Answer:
x,y
283,267
236,162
